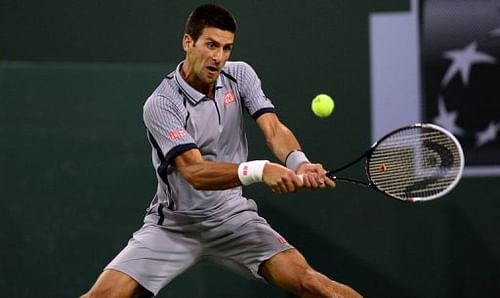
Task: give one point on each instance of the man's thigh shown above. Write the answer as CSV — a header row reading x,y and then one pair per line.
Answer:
x,y
154,256
285,269
290,270
242,243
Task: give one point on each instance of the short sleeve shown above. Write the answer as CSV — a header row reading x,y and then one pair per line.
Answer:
x,y
254,99
165,122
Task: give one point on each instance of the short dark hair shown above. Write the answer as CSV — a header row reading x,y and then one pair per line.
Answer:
x,y
209,15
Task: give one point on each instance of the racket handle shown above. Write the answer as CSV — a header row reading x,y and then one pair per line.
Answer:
x,y
330,175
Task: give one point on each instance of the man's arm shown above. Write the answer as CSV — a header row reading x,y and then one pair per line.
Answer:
x,y
206,175
278,137
211,175
282,142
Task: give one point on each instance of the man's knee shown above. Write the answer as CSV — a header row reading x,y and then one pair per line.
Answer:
x,y
113,283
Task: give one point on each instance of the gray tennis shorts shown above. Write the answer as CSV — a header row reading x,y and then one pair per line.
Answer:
x,y
155,255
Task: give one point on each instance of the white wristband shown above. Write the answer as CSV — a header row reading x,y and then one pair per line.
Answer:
x,y
251,171
295,159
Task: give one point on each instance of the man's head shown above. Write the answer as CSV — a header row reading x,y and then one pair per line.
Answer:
x,y
208,41
209,15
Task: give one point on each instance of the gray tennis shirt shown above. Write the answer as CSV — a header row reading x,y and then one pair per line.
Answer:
x,y
179,118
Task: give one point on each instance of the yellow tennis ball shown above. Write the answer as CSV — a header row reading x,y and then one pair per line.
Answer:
x,y
322,105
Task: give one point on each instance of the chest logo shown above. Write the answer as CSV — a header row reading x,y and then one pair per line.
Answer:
x,y
229,97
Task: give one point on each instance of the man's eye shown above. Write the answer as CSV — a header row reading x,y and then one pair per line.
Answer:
x,y
211,45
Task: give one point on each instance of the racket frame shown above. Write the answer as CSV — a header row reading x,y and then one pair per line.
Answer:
x,y
366,155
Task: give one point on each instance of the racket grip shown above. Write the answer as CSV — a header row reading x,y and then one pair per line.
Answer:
x,y
330,175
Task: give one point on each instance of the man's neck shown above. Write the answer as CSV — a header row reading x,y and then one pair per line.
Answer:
x,y
206,89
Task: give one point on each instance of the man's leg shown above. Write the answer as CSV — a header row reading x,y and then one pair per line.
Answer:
x,y
114,284
290,270
153,257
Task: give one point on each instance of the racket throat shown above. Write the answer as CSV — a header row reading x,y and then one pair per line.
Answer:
x,y
353,181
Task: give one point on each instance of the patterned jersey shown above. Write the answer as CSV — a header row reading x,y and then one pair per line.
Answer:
x,y
180,118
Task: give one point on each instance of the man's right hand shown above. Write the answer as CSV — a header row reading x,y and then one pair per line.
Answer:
x,y
281,179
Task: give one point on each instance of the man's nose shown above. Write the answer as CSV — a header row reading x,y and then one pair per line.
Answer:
x,y
218,54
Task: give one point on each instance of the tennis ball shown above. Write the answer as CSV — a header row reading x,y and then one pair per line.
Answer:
x,y
322,105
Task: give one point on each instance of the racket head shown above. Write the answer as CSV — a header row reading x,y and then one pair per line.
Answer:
x,y
415,163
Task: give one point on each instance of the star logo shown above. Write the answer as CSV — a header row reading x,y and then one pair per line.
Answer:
x,y
447,119
462,61
494,33
461,75
487,135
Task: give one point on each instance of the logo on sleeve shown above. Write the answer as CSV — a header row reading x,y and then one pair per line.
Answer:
x,y
281,240
229,97
177,134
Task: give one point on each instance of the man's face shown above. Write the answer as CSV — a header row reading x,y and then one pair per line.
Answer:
x,y
206,57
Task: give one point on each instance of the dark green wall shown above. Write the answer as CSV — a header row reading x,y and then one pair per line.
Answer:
x,y
76,174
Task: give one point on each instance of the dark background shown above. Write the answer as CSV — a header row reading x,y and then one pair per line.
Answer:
x,y
76,174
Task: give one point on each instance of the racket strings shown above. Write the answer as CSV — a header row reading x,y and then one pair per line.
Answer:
x,y
416,162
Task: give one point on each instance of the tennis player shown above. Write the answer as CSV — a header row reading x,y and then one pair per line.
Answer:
x,y
194,122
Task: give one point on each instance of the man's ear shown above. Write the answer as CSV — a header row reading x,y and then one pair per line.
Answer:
x,y
187,42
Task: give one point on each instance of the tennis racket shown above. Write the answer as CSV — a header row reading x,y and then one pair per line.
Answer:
x,y
419,162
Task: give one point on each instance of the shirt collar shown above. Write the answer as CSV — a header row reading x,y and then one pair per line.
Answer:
x,y
192,94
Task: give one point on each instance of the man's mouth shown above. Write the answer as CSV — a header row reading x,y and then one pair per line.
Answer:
x,y
212,69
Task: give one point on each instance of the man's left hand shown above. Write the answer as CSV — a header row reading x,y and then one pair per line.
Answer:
x,y
313,176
